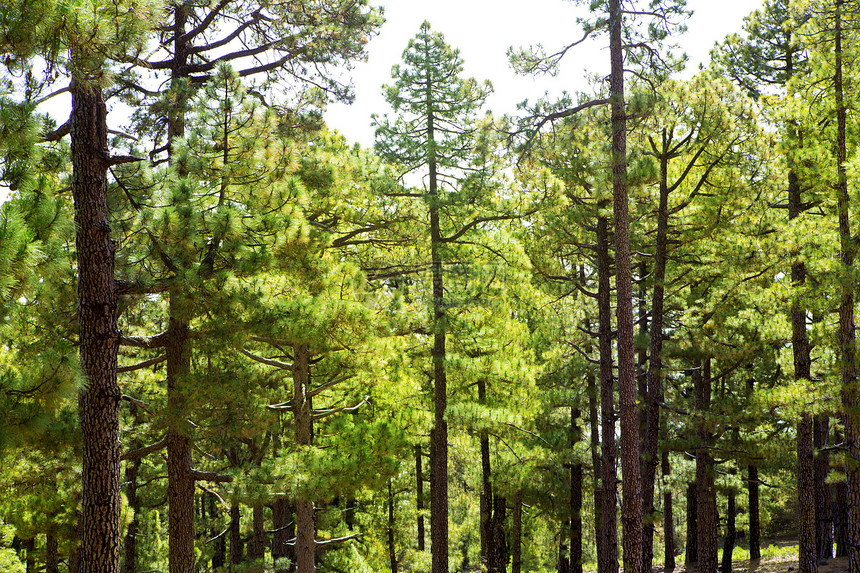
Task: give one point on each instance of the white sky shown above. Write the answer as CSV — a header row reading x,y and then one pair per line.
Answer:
x,y
483,30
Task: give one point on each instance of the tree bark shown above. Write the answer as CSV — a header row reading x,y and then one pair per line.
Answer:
x,y
132,467
654,387
498,548
52,553
180,482
706,502
257,546
419,495
753,501
847,344
608,514
691,553
517,534
98,333
631,510
236,549
284,531
823,513
392,552
594,425
486,501
303,415
668,518
729,542
439,452
575,497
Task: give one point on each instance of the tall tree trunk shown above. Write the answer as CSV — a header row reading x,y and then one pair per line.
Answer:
x,y
668,516
180,482
29,546
753,501
284,527
52,553
498,547
219,554
706,502
729,542
840,518
608,514
594,425
654,387
236,549
691,552
98,333
132,468
439,451
631,502
392,552
486,501
823,513
257,546
419,495
847,354
575,497
303,416
808,563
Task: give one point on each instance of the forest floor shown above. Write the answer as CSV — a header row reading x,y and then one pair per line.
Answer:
x,y
778,557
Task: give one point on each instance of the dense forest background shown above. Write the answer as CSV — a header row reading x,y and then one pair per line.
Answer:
x,y
613,329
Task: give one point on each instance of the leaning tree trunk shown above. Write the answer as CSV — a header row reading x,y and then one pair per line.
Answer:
x,y
98,333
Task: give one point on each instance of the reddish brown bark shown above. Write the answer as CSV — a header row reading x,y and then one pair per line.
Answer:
x,y
99,336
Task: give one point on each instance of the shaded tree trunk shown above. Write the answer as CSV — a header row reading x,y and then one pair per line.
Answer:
x,y
706,494
608,478
392,553
419,496
236,549
486,501
840,518
596,465
847,349
52,553
691,553
284,527
219,554
132,468
823,513
98,333
575,498
729,541
303,415
498,547
668,518
257,546
29,546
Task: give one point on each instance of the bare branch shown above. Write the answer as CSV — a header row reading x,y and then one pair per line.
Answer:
x,y
141,365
